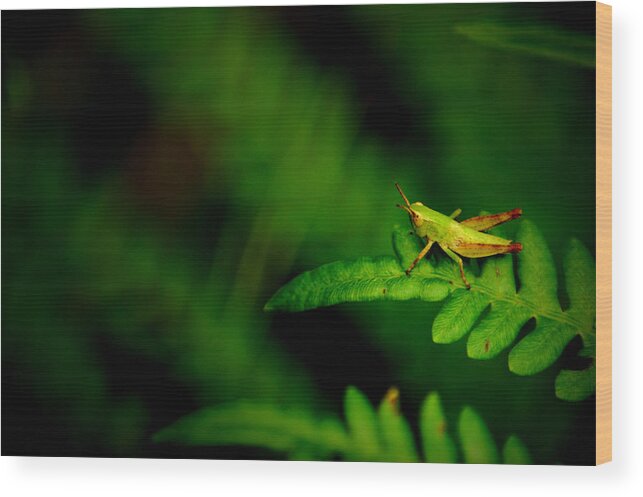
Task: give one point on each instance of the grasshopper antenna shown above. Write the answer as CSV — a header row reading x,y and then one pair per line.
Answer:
x,y
404,208
406,200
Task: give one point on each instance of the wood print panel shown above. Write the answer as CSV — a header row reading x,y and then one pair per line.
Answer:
x,y
203,257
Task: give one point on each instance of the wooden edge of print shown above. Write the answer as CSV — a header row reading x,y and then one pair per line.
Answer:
x,y
603,233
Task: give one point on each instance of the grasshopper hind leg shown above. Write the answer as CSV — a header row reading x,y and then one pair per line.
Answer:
x,y
484,223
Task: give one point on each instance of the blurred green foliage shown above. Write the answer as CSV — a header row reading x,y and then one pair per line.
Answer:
x,y
166,170
381,434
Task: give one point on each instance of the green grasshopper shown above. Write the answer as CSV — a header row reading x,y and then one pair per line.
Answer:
x,y
458,237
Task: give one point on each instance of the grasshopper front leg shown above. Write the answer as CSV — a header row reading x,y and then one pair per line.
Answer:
x,y
455,213
457,259
420,256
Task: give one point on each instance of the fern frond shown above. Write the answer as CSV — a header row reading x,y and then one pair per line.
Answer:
x,y
368,434
259,424
492,313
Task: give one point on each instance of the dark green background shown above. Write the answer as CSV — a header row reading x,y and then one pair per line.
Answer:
x,y
165,171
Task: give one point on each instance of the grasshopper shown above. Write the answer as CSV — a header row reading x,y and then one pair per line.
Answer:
x,y
465,238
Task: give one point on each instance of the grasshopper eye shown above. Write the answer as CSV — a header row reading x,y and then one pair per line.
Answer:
x,y
417,220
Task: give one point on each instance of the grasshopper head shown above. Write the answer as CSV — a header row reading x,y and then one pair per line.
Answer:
x,y
415,216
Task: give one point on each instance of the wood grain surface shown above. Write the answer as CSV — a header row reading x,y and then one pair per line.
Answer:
x,y
603,233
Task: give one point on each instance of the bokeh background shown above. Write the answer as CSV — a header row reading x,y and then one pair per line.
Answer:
x,y
165,171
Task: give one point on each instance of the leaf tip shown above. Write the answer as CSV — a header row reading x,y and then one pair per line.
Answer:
x,y
433,399
518,365
576,385
515,452
441,338
467,413
352,392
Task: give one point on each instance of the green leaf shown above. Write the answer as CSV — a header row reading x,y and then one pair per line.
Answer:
x,y
478,446
437,444
368,435
580,274
544,345
576,385
258,424
362,424
540,348
493,312
515,452
458,315
361,280
396,433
